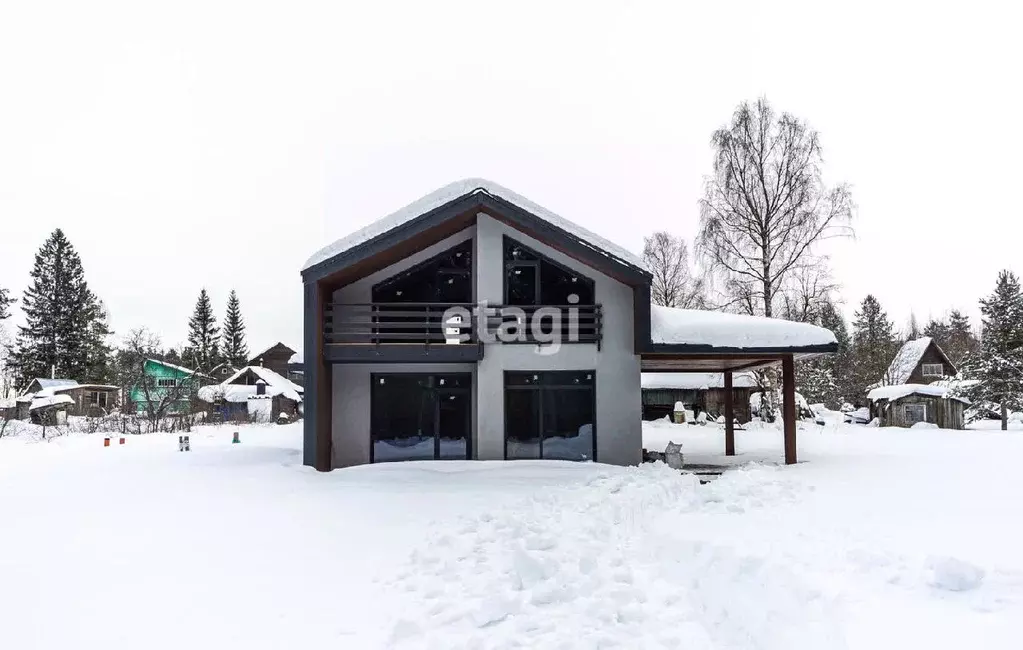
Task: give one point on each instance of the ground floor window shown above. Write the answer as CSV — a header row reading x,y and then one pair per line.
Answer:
x,y
550,415
914,413
420,416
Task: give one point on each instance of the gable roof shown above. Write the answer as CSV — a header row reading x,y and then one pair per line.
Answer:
x,y
275,383
908,358
453,200
187,371
49,383
255,357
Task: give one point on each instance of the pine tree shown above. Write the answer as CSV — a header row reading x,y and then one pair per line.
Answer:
x,y
873,347
998,365
937,330
65,326
913,331
203,351
236,352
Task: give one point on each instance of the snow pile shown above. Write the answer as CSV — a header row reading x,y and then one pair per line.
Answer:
x,y
899,391
669,325
458,190
694,380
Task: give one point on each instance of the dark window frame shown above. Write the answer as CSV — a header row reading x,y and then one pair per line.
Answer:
x,y
537,263
468,390
468,243
542,386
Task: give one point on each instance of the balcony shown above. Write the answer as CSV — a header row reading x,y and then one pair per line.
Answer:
x,y
449,332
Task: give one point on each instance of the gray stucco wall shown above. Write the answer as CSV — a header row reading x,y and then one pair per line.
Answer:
x,y
619,407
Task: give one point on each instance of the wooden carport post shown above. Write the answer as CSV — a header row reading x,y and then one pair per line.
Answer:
x,y
729,416
789,407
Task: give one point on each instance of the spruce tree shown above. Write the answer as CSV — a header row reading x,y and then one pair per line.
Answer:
x,y
236,352
64,323
203,352
873,347
998,365
960,341
5,301
937,330
825,379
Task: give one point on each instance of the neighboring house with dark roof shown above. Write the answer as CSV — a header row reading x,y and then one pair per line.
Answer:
x,y
281,359
429,334
914,389
254,393
920,361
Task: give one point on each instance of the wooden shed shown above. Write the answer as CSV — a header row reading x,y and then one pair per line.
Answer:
x,y
907,404
698,391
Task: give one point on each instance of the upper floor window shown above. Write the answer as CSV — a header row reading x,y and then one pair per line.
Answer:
x,y
166,383
532,279
933,370
444,278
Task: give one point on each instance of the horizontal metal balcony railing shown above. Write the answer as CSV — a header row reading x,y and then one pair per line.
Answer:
x,y
434,323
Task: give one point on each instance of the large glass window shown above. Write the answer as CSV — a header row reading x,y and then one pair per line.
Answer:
x,y
420,417
550,415
444,278
532,279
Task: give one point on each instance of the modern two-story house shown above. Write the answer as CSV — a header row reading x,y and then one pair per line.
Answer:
x,y
475,324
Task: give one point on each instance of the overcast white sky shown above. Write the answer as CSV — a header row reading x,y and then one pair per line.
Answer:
x,y
220,144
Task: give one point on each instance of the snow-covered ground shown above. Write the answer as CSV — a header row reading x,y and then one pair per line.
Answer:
x,y
883,538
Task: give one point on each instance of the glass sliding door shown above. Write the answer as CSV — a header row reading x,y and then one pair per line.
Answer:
x,y
420,416
550,415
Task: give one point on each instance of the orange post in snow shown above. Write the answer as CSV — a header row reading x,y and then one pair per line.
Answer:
x,y
106,442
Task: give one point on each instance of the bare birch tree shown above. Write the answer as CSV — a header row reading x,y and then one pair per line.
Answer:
x,y
674,283
766,205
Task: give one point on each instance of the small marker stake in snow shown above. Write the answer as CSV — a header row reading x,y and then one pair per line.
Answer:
x,y
183,444
235,439
106,442
121,440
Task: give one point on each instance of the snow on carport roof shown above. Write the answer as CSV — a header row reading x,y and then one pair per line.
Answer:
x,y
455,191
671,326
693,380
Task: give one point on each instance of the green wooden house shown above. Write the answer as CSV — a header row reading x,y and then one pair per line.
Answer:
x,y
166,385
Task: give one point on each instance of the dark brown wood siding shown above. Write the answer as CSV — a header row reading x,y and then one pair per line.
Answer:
x,y
276,359
658,402
931,355
946,413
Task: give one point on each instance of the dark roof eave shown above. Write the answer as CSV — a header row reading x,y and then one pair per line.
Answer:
x,y
693,348
478,198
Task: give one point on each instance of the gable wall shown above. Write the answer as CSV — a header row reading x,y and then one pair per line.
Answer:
x,y
931,355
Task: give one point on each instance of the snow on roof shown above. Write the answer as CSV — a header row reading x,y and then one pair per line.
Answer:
x,y
53,400
669,325
8,402
455,191
274,382
267,349
236,393
296,358
694,380
183,369
61,389
52,383
906,361
899,391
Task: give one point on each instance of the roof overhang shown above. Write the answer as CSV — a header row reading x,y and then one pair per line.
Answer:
x,y
454,216
707,358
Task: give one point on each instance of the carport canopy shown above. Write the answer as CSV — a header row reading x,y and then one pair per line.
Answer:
x,y
689,340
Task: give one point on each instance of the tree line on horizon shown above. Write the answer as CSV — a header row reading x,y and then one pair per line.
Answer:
x,y
67,334
763,215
